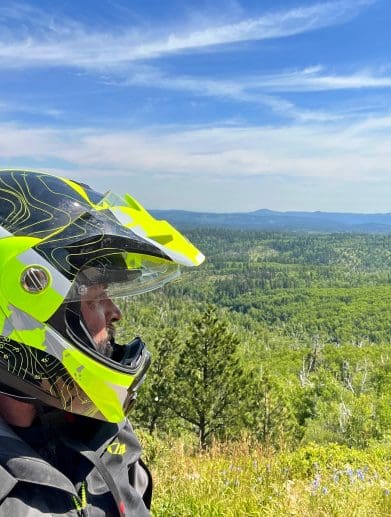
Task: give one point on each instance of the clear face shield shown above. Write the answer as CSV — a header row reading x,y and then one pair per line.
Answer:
x,y
122,275
92,310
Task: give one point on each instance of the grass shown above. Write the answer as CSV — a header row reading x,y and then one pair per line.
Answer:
x,y
242,479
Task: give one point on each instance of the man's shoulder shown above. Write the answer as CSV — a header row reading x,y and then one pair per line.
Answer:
x,y
115,453
19,462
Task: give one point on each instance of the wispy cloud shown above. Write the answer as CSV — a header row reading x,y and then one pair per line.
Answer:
x,y
68,43
31,109
315,78
318,79
264,90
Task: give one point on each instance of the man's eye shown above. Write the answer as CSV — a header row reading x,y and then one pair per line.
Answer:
x,y
100,298
101,295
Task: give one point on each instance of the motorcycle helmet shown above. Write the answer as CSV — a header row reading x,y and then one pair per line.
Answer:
x,y
60,243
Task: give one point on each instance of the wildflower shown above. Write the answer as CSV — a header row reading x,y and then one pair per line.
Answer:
x,y
360,474
350,474
336,477
386,492
315,483
324,490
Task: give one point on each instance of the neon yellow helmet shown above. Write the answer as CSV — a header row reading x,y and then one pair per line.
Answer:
x,y
59,240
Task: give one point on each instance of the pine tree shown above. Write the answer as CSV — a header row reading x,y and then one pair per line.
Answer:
x,y
152,409
208,378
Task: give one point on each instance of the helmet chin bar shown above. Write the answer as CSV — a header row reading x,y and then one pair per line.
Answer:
x,y
65,394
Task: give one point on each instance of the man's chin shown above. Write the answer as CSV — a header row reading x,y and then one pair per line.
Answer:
x,y
104,348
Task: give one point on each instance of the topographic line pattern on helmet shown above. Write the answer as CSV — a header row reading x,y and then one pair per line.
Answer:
x,y
33,205
42,371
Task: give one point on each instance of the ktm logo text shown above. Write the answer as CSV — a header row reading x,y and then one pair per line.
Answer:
x,y
117,448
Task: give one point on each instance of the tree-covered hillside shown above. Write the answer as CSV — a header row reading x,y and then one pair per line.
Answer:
x,y
285,337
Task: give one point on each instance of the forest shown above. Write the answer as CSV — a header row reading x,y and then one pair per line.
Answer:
x,y
279,343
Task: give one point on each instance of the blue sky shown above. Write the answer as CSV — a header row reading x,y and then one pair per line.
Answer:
x,y
222,106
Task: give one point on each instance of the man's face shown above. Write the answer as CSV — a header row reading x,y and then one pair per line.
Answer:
x,y
99,314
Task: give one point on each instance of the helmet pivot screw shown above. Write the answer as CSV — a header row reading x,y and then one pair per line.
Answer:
x,y
35,279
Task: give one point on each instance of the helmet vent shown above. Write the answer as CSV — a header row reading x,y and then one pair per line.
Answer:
x,y
35,279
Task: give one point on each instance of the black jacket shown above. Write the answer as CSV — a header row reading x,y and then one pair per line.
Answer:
x,y
84,468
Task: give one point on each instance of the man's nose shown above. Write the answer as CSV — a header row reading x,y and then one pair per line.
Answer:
x,y
114,312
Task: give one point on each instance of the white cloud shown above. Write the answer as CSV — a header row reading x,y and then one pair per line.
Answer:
x,y
71,44
354,152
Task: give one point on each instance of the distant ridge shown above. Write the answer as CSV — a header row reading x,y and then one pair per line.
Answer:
x,y
269,220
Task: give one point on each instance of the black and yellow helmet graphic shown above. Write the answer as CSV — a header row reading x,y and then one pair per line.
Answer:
x,y
59,240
